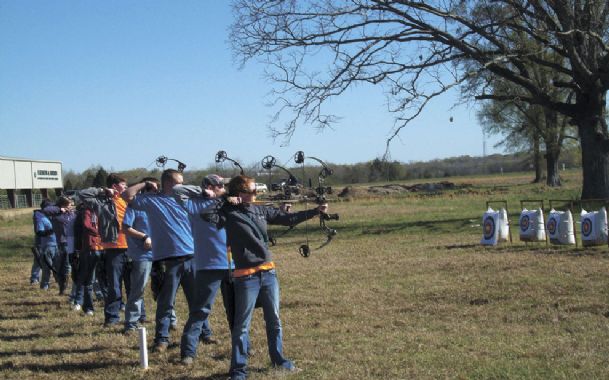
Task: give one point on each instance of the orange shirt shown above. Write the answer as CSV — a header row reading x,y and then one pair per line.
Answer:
x,y
249,271
121,240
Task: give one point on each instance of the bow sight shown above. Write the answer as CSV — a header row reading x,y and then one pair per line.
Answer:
x,y
222,156
161,161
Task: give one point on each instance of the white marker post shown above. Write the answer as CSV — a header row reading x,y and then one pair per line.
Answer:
x,y
143,348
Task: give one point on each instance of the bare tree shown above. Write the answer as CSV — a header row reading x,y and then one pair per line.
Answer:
x,y
421,49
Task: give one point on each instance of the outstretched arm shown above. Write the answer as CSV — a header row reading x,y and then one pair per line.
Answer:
x,y
129,194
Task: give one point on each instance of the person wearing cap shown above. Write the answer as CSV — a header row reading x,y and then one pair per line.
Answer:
x,y
211,261
254,278
172,247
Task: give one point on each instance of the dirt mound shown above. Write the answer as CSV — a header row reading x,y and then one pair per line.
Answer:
x,y
392,189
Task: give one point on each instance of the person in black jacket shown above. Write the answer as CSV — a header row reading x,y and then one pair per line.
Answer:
x,y
254,277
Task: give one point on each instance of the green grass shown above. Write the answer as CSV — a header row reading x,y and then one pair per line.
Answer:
x,y
404,291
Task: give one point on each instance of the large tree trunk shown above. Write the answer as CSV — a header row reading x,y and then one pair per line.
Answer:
x,y
553,178
552,139
537,159
594,145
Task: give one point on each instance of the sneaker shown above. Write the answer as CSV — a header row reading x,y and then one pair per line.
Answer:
x,y
160,347
128,331
187,360
34,282
208,340
45,287
287,366
76,307
89,312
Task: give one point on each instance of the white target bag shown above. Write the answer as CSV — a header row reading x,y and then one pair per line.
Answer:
x,y
531,225
560,227
495,227
594,227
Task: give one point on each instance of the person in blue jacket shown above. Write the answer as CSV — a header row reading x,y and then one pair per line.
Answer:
x,y
211,262
139,252
172,247
48,249
37,214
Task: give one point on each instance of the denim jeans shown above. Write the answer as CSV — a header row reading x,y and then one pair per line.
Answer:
x,y
77,293
64,266
52,252
35,272
86,275
140,273
207,283
263,286
115,261
178,272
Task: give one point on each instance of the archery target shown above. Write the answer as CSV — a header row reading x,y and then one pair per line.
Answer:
x,y
524,223
587,227
560,227
552,226
489,227
594,227
532,226
494,227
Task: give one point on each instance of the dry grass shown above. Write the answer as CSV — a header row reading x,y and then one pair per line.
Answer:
x,y
404,291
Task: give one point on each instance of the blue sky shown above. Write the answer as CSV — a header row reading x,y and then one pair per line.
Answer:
x,y
118,83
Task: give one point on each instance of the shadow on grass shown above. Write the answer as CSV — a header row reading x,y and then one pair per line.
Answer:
x,y
215,376
33,303
19,317
54,351
14,338
535,248
59,367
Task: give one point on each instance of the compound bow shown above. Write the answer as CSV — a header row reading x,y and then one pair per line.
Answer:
x,y
320,198
268,163
161,161
222,156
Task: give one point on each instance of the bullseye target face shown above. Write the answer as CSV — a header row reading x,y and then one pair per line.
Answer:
x,y
552,226
489,227
586,227
524,223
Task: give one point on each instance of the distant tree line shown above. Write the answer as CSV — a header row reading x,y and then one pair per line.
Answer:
x,y
372,171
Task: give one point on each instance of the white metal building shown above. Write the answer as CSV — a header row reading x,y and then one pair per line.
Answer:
x,y
19,176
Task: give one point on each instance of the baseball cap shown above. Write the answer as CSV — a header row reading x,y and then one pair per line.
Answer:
x,y
213,180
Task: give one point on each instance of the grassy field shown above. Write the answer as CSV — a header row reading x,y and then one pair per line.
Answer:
x,y
404,291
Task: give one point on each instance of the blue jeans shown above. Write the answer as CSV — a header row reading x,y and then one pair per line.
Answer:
x,y
35,273
115,261
64,266
140,273
178,272
77,294
207,283
52,252
86,275
263,286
